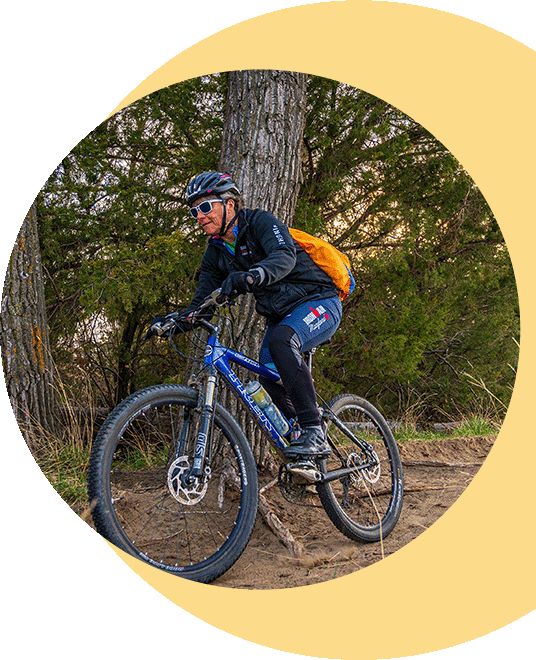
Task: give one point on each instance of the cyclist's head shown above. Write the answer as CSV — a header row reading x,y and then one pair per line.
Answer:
x,y
213,184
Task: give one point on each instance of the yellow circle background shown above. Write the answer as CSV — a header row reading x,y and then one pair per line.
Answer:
x,y
472,572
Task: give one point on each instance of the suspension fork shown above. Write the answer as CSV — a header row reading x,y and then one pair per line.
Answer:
x,y
184,430
206,421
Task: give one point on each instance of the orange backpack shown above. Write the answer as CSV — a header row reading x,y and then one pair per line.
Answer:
x,y
329,259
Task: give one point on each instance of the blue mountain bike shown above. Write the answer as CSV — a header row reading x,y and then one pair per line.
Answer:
x,y
172,479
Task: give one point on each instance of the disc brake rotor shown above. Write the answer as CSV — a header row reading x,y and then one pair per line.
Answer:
x,y
371,474
180,488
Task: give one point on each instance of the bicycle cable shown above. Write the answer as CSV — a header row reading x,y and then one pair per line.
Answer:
x,y
195,337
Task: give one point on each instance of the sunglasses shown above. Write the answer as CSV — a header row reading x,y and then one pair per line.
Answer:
x,y
204,207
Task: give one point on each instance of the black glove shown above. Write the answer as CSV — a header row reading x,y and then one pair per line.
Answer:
x,y
180,322
239,282
156,327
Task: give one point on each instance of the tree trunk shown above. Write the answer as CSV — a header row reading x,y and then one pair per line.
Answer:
x,y
24,336
127,354
262,138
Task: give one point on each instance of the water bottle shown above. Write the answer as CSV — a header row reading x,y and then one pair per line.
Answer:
x,y
261,397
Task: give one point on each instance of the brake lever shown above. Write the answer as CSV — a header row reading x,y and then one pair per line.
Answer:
x,y
211,300
158,329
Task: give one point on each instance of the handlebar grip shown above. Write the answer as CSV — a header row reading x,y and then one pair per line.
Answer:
x,y
158,329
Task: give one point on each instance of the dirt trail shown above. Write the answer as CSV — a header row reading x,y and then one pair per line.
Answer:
x,y
436,474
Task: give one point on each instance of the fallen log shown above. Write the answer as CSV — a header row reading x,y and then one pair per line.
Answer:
x,y
422,489
279,529
440,464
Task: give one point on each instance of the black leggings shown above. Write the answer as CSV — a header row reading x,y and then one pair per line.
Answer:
x,y
296,398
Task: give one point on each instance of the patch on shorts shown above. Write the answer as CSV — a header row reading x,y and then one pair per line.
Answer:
x,y
316,318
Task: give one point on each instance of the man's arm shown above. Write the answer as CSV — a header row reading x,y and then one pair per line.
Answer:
x,y
278,245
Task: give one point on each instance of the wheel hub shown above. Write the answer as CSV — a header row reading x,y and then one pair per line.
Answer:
x,y
372,473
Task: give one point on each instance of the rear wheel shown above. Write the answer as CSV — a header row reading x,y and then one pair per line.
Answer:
x,y
145,501
365,504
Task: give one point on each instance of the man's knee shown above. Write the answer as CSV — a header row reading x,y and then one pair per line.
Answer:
x,y
285,341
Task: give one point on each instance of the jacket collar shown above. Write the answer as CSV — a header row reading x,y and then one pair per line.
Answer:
x,y
238,229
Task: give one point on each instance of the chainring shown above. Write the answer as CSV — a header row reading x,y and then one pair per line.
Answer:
x,y
303,494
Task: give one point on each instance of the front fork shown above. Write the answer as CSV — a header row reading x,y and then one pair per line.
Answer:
x,y
206,421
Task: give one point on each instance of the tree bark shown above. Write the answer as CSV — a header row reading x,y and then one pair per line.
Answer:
x,y
262,137
24,336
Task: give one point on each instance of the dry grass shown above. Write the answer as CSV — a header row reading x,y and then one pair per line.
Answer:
x,y
325,559
62,451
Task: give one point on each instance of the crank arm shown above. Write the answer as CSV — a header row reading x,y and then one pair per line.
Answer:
x,y
306,470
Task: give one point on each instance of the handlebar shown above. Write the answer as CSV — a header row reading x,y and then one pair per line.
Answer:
x,y
214,300
171,321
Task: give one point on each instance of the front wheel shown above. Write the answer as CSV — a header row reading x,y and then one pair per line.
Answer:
x,y
147,503
365,504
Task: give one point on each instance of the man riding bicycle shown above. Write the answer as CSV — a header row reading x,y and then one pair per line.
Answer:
x,y
251,251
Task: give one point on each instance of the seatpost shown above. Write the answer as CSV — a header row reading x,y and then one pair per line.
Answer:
x,y
308,355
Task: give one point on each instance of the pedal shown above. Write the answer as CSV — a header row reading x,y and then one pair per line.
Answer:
x,y
306,470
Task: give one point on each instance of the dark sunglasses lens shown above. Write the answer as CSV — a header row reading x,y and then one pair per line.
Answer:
x,y
205,207
193,212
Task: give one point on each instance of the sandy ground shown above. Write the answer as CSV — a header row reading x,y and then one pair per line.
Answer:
x,y
436,474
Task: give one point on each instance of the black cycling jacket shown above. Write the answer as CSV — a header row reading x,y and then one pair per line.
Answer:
x,y
290,276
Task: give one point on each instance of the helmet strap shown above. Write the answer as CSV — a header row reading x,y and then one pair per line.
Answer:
x,y
224,226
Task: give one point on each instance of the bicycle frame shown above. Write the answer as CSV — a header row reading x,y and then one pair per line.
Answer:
x,y
218,357
216,361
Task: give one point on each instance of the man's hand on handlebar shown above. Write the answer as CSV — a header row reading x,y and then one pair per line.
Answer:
x,y
162,325
184,322
240,282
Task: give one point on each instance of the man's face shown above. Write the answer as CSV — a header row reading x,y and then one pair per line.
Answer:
x,y
211,221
